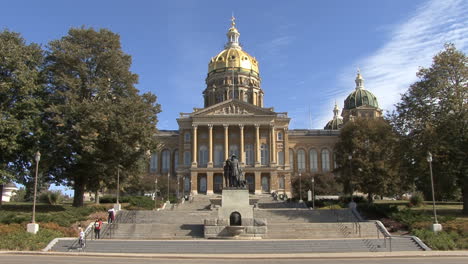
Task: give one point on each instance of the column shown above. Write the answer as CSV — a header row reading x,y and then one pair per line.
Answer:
x,y
273,145
257,144
286,148
226,141
258,182
194,144
241,154
210,145
274,181
194,182
209,182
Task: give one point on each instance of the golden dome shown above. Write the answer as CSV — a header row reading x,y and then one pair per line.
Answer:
x,y
233,58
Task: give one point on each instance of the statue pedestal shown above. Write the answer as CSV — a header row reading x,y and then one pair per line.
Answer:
x,y
235,218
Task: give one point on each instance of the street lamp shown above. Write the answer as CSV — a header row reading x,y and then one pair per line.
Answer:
x,y
313,192
168,186
350,157
33,227
178,182
117,206
436,226
155,192
300,188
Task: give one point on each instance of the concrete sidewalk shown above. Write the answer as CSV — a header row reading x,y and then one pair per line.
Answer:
x,y
350,255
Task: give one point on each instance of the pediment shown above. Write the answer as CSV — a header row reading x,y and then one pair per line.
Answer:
x,y
233,107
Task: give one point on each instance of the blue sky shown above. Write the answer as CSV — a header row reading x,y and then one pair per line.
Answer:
x,y
308,50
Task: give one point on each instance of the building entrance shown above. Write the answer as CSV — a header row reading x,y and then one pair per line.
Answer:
x,y
202,184
250,178
265,183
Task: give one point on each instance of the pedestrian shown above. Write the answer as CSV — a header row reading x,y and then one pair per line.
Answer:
x,y
97,228
81,237
110,217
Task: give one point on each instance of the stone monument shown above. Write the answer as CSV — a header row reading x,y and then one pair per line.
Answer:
x,y
236,215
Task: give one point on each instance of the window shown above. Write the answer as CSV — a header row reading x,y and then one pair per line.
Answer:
x,y
325,160
291,158
281,182
281,157
154,162
301,160
334,161
203,135
187,137
280,136
218,155
203,155
187,158
166,160
264,154
249,154
176,159
233,149
313,160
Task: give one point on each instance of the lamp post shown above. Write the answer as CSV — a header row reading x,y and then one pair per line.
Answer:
x,y
350,157
313,192
178,182
33,227
168,186
436,226
300,188
117,205
155,192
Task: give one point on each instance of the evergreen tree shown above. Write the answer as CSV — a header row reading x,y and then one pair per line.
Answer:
x,y
98,122
433,116
21,102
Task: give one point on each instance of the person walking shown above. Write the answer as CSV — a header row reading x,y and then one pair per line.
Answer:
x,y
81,237
97,228
110,218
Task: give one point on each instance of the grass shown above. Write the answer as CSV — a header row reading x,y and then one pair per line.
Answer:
x,y
399,217
54,221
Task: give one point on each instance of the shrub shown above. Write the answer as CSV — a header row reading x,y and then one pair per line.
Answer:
x,y
113,199
51,197
417,199
440,240
141,202
15,237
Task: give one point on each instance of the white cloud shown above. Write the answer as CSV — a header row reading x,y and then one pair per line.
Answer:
x,y
391,69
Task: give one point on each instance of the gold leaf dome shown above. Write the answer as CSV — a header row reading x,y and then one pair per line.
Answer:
x,y
233,56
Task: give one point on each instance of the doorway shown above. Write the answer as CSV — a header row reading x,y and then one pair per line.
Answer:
x,y
202,184
250,178
265,183
218,183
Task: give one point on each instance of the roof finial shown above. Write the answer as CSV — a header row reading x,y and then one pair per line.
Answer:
x,y
359,80
233,20
358,70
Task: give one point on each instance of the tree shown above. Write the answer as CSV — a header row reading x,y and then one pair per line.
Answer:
x,y
21,102
366,158
433,116
98,122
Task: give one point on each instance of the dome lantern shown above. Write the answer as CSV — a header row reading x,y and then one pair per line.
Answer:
x,y
359,80
233,36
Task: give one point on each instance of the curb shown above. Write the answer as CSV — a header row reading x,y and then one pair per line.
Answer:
x,y
348,255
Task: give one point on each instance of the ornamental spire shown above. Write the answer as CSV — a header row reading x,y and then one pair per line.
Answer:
x,y
336,110
359,80
233,35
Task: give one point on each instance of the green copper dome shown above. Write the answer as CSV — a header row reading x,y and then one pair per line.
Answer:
x,y
360,96
336,122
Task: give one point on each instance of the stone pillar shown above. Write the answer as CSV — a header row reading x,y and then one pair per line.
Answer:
x,y
257,144
210,145
286,148
241,154
194,182
273,145
226,141
258,182
194,146
209,182
274,185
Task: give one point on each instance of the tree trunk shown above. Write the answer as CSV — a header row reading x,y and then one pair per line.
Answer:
x,y
79,193
465,196
370,198
96,197
1,192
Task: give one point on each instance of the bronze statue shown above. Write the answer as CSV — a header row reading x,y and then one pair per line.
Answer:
x,y
233,174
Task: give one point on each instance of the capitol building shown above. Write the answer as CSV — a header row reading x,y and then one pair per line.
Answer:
x,y
234,120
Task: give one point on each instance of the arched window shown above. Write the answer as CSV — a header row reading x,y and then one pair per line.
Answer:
x,y
325,160
166,160
301,160
281,157
218,155
291,158
203,155
187,137
264,154
234,149
154,162
187,158
313,160
249,154
176,159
